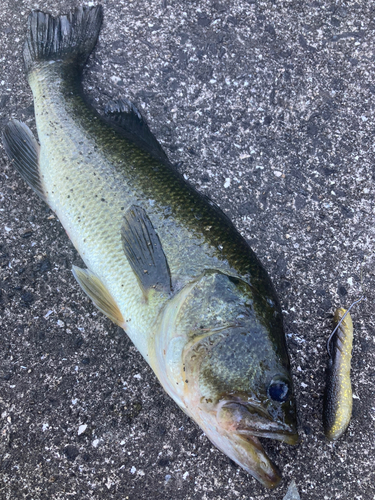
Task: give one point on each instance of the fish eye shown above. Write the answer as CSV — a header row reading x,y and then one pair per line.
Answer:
x,y
278,390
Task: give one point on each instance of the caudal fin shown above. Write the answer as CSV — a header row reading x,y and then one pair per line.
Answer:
x,y
68,38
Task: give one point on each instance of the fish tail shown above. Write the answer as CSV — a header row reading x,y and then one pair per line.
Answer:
x,y
68,39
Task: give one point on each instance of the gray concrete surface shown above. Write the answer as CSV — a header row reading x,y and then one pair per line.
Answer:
x,y
270,106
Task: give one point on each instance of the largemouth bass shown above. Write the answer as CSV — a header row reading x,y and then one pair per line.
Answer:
x,y
163,261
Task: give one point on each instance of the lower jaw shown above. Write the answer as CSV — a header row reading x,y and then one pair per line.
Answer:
x,y
258,464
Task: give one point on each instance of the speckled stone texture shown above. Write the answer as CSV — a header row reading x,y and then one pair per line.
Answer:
x,y
270,107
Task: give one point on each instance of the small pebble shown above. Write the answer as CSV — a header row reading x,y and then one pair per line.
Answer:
x,y
292,492
81,429
71,452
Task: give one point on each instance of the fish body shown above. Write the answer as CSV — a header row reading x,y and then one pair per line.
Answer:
x,y
163,261
338,398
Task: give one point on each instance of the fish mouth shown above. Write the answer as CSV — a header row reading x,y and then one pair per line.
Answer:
x,y
251,418
240,425
285,435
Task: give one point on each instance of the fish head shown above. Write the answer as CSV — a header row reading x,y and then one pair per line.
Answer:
x,y
236,380
236,421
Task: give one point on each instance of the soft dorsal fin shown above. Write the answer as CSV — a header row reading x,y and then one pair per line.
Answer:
x,y
23,151
144,252
99,294
126,115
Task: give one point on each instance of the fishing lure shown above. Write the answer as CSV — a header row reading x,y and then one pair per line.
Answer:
x,y
338,398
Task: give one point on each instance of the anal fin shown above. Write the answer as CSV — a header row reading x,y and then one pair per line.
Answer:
x,y
23,151
99,294
144,251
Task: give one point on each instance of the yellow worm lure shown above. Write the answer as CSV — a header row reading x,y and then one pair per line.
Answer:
x,y
338,399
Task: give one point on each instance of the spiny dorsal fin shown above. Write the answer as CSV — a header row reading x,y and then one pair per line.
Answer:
x,y
144,252
99,294
126,115
23,151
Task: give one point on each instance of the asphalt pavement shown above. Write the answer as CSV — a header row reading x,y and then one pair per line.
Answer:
x,y
269,105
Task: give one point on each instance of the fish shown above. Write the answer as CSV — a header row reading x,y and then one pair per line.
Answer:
x,y
338,396
162,260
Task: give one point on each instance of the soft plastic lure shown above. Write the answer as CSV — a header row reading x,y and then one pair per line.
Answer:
x,y
338,397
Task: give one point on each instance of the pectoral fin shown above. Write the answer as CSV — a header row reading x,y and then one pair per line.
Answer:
x,y
144,252
23,151
99,294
